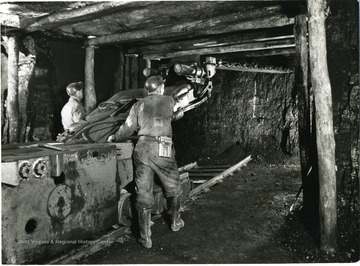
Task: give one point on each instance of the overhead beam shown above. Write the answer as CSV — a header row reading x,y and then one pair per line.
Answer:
x,y
256,70
258,53
266,18
255,46
264,53
76,15
211,41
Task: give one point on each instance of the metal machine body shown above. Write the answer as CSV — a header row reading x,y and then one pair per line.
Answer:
x,y
55,195
58,195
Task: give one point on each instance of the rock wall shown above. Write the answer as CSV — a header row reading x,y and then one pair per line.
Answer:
x,y
255,111
264,122
343,62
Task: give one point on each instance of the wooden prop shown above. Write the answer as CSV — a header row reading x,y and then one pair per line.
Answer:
x,y
324,124
12,104
89,91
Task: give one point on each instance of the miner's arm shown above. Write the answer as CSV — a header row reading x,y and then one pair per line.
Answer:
x,y
126,129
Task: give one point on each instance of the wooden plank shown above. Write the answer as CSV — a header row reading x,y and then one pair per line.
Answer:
x,y
255,70
222,24
61,18
273,44
89,91
259,53
324,124
12,104
262,53
215,41
219,177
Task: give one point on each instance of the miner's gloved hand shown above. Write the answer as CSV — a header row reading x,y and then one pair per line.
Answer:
x,y
111,138
178,115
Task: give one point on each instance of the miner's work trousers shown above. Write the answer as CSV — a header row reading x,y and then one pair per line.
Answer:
x,y
147,163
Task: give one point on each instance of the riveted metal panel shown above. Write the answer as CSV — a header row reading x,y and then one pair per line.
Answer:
x,y
50,210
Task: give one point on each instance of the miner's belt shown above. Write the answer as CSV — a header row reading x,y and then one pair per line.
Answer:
x,y
156,138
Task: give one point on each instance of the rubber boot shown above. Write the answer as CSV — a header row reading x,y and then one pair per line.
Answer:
x,y
176,221
144,225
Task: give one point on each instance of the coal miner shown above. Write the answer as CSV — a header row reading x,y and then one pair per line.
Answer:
x,y
154,154
73,111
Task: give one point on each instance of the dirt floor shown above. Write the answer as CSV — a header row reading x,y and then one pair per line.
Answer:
x,y
244,219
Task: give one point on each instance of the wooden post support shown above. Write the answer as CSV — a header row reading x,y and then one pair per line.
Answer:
x,y
309,182
89,93
12,104
119,75
134,72
127,73
324,124
141,67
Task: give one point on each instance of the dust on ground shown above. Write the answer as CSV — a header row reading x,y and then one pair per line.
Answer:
x,y
244,219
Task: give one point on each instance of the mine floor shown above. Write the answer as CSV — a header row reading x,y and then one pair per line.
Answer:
x,y
244,219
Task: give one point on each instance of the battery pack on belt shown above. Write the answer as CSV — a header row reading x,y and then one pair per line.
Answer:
x,y
165,144
157,138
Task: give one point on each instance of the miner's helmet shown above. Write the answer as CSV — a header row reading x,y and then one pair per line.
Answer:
x,y
152,83
72,88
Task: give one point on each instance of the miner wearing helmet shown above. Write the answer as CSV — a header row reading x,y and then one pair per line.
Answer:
x,y
154,154
73,111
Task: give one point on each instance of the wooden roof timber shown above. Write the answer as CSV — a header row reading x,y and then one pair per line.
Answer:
x,y
252,46
90,16
158,14
261,35
191,29
257,53
249,32
81,14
